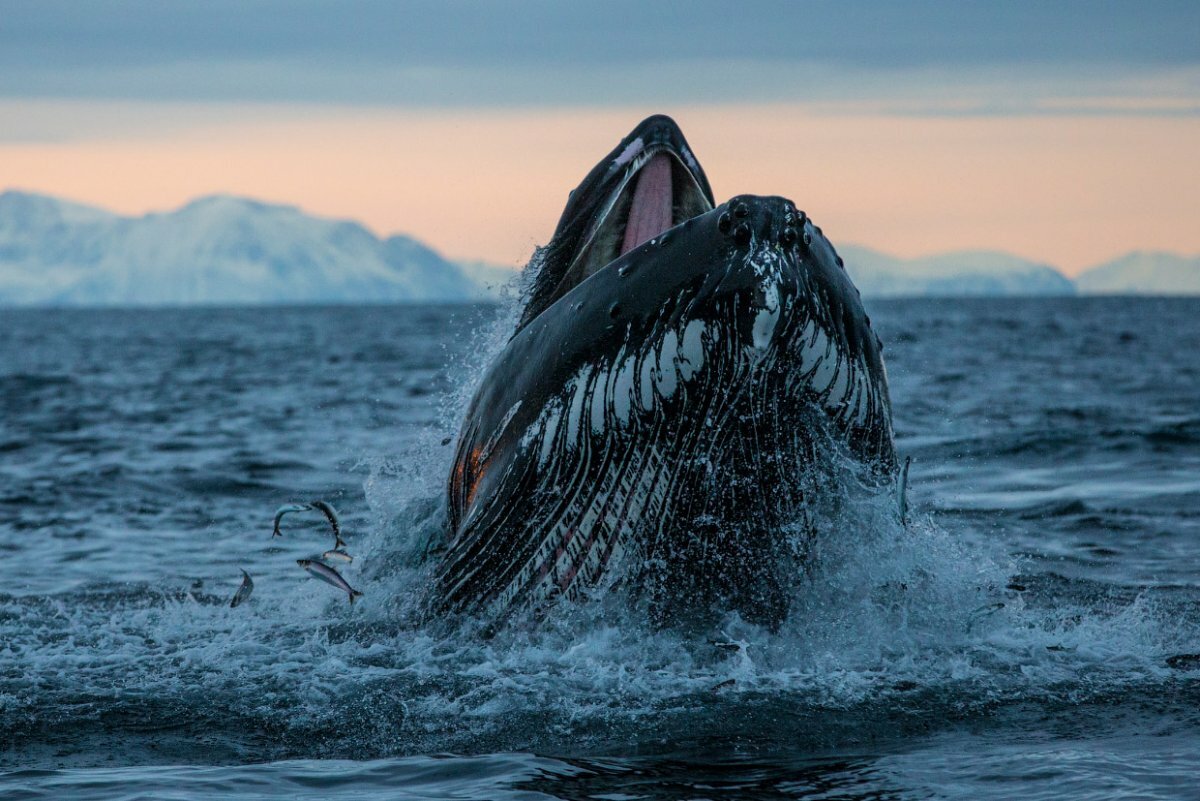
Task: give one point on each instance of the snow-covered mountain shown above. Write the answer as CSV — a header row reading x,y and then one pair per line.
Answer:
x,y
1144,273
216,249
963,273
229,250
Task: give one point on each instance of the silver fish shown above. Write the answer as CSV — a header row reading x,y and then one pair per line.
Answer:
x,y
243,592
337,556
330,576
330,515
285,509
902,491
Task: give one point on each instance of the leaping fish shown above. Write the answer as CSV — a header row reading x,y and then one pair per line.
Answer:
x,y
337,556
330,515
330,576
902,491
243,592
286,509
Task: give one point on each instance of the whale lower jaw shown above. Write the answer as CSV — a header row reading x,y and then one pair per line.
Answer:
x,y
694,447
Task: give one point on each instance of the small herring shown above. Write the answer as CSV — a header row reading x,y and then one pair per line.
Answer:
x,y
287,509
244,591
337,555
902,490
330,515
330,576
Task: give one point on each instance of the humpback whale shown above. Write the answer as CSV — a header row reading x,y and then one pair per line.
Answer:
x,y
679,371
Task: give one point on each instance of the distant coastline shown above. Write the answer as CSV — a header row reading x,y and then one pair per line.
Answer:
x,y
225,250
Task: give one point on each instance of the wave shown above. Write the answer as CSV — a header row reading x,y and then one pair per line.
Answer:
x,y
894,631
894,628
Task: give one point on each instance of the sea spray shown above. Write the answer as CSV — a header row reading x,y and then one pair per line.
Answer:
x,y
403,486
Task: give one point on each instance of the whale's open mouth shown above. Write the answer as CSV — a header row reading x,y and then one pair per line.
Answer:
x,y
658,192
649,183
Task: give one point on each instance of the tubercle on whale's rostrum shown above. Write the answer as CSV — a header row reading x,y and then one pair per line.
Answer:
x,y
794,227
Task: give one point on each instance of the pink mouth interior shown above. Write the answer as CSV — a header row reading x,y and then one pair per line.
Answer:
x,y
650,211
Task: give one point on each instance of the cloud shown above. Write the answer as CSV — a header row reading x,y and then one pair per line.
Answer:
x,y
458,53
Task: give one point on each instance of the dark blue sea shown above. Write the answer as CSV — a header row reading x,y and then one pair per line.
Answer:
x,y
1033,633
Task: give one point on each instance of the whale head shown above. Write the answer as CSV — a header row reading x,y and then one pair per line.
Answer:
x,y
680,370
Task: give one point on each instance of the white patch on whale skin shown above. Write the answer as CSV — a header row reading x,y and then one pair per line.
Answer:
x,y
691,352
575,412
667,377
646,382
852,398
623,389
862,401
550,428
763,329
600,400
804,346
841,384
827,370
630,152
815,352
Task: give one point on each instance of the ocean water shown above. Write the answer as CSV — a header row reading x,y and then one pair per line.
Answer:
x,y
1026,636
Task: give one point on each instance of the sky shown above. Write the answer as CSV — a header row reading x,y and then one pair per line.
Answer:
x,y
1064,132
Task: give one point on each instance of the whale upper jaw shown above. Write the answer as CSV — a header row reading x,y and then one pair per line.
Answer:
x,y
650,182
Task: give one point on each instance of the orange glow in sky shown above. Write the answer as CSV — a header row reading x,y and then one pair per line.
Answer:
x,y
1070,190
